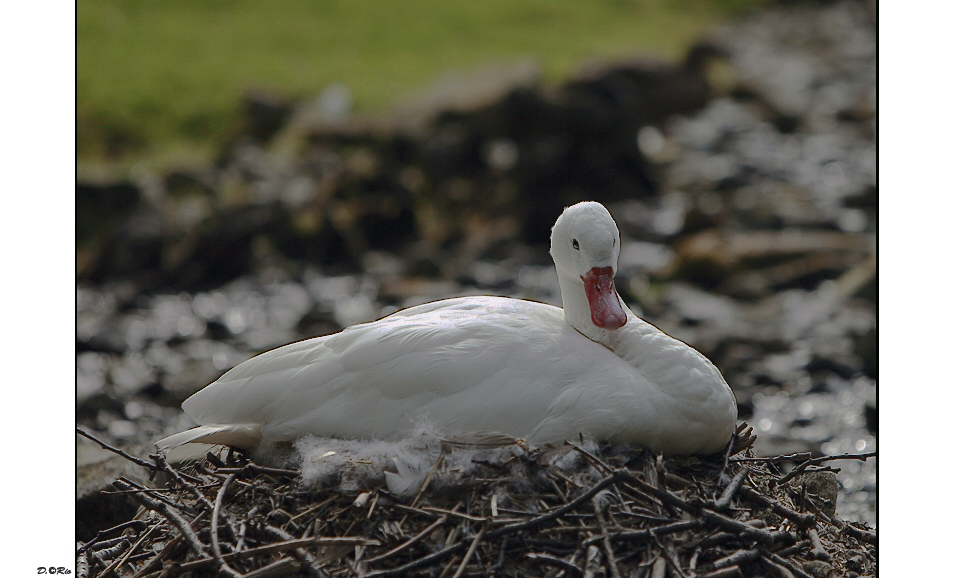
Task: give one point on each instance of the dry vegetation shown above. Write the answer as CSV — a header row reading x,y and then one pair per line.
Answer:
x,y
552,511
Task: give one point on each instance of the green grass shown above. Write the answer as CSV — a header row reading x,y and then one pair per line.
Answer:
x,y
155,76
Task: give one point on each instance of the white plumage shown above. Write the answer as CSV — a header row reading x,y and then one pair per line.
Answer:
x,y
474,365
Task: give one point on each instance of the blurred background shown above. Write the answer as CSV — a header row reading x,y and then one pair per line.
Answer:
x,y
249,176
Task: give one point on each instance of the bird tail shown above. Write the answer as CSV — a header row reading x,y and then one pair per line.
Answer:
x,y
238,435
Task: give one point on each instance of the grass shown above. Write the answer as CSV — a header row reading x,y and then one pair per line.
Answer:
x,y
155,76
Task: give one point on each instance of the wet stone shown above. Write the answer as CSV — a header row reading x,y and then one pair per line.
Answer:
x,y
825,486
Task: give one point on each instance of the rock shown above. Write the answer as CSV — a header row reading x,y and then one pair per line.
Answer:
x,y
265,113
645,91
96,468
467,92
709,257
857,561
101,206
825,486
221,249
819,569
871,415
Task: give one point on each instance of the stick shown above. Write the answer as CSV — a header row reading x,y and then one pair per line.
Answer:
x,y
277,569
607,546
139,525
728,453
508,529
736,558
171,515
106,446
585,496
556,561
136,490
731,489
214,530
405,545
180,477
818,550
471,550
308,561
122,560
604,468
803,520
252,468
428,478
592,562
800,468
713,517
643,534
782,562
665,552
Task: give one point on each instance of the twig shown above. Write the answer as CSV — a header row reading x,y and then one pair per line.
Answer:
x,y
844,527
428,478
796,547
607,545
136,490
111,552
644,534
178,521
117,451
308,561
280,547
776,569
253,468
730,490
214,530
82,563
776,459
122,560
728,453
138,525
536,517
510,528
455,513
555,561
726,572
423,561
736,558
181,477
407,544
803,520
599,464
592,562
659,568
553,514
731,524
160,556
471,550
800,468
277,569
818,550
418,511
447,567
665,552
776,559
501,558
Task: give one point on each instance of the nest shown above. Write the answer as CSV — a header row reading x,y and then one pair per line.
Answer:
x,y
572,510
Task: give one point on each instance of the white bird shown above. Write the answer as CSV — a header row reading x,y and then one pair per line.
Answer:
x,y
472,366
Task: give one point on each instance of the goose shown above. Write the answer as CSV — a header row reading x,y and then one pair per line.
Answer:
x,y
474,366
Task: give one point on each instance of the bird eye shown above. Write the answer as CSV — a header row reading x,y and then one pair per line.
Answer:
x,y
576,244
